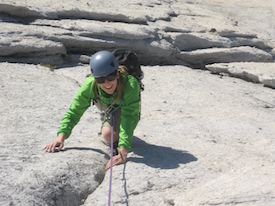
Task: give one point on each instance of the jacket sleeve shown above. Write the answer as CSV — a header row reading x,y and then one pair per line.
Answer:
x,y
81,102
130,113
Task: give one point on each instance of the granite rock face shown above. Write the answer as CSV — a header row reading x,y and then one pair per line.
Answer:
x,y
29,120
203,139
192,33
255,72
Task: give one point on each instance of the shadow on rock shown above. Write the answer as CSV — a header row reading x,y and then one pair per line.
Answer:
x,y
159,156
83,149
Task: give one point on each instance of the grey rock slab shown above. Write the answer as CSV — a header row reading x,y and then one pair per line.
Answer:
x,y
198,134
200,58
202,139
91,28
247,185
254,20
195,17
31,45
194,41
257,72
151,10
43,32
79,37
33,102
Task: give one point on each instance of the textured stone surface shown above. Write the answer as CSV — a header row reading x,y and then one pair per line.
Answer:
x,y
33,101
203,139
200,58
256,72
161,32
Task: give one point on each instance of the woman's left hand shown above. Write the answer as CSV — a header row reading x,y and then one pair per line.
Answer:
x,y
118,159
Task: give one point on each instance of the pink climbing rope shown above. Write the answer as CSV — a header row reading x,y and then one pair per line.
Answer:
x,y
111,168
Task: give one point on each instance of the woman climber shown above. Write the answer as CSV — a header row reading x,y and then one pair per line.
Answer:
x,y
116,94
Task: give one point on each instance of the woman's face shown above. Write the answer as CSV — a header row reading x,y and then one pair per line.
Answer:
x,y
109,86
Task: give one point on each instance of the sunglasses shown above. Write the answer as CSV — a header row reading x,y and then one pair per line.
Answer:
x,y
109,77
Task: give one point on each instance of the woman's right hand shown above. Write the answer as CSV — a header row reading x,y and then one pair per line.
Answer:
x,y
59,143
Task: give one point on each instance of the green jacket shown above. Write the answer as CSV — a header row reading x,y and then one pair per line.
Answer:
x,y
130,108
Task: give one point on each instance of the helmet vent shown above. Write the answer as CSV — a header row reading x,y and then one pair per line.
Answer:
x,y
112,64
